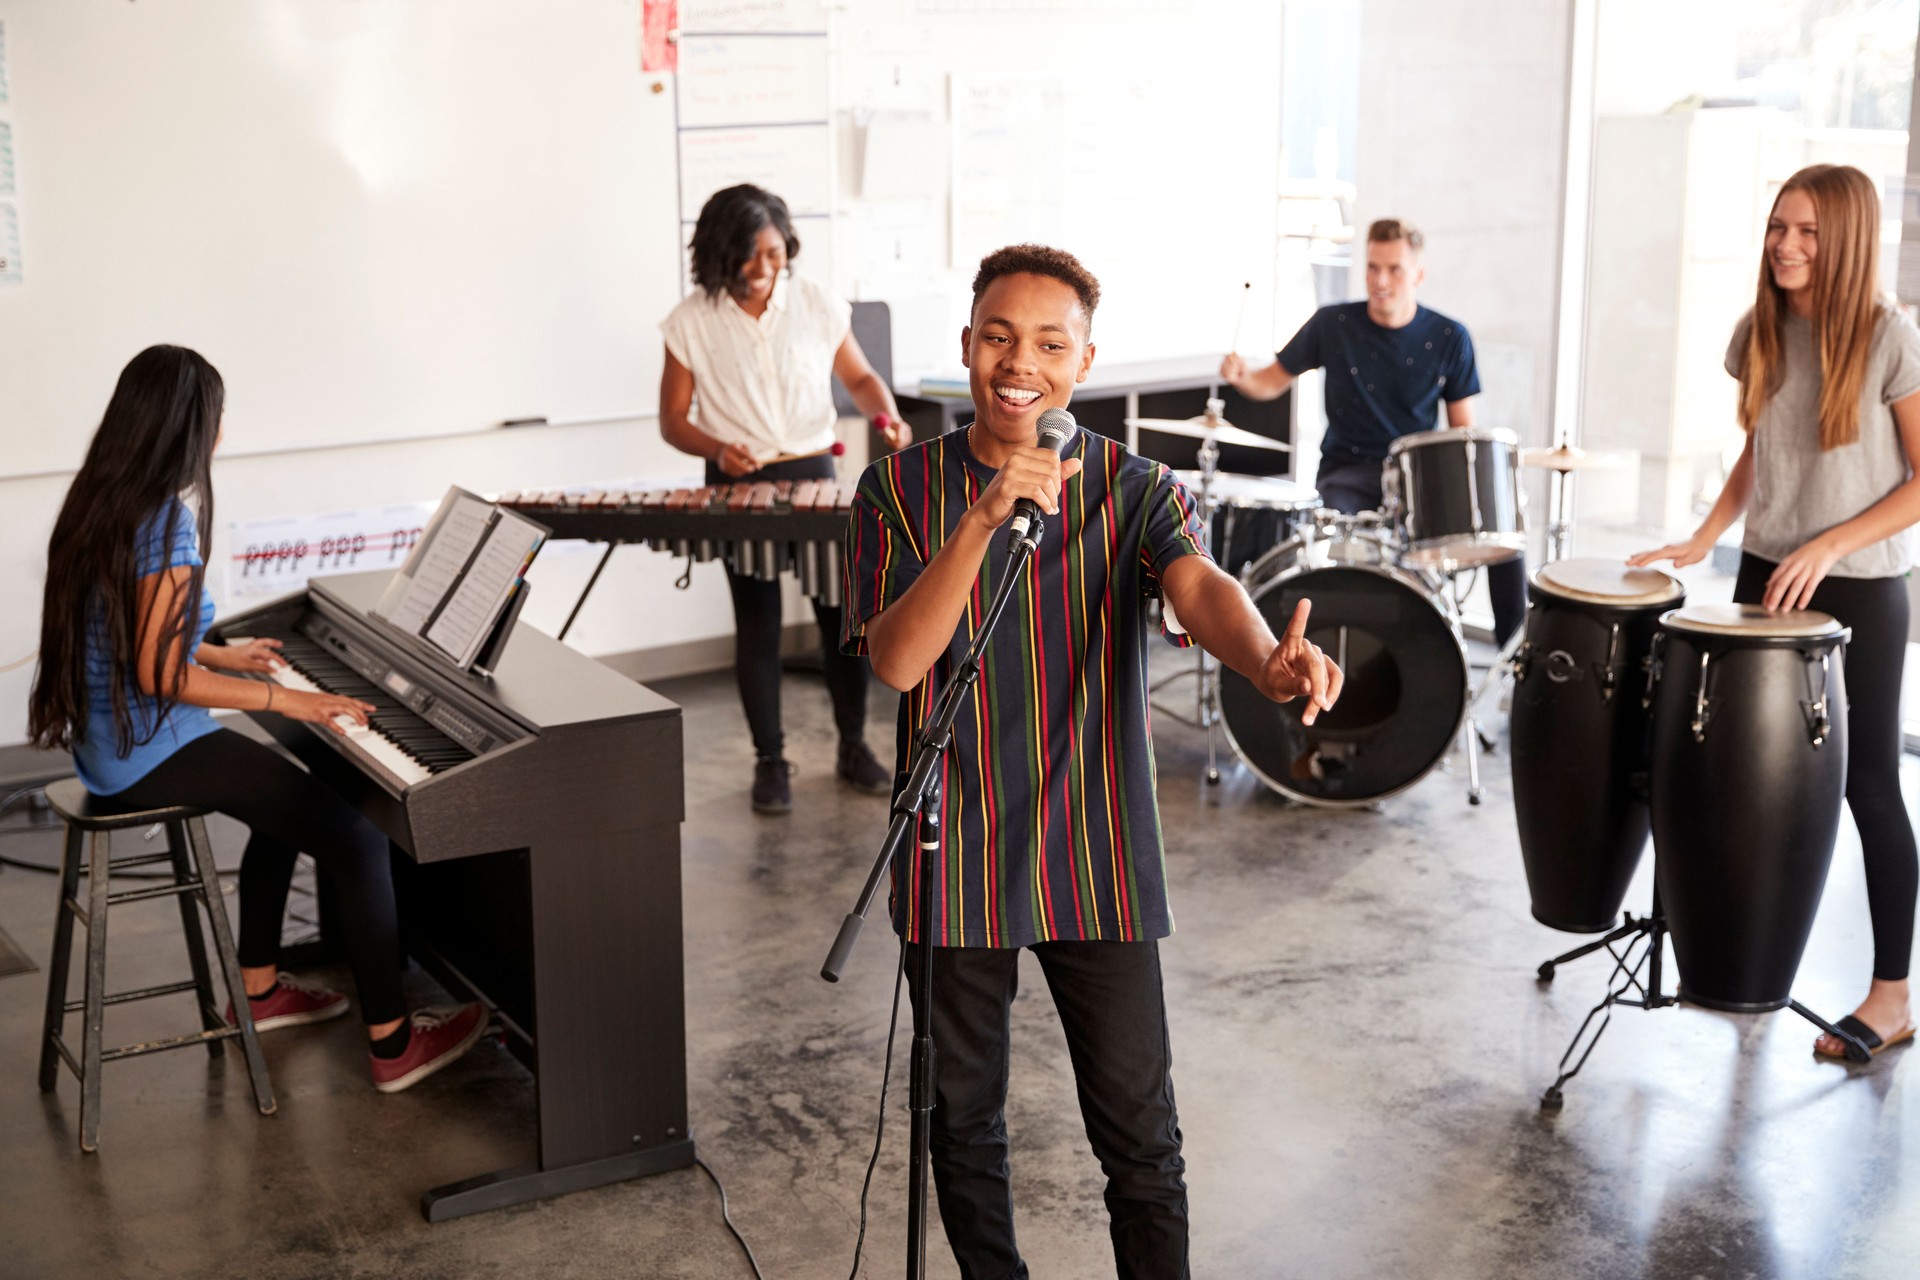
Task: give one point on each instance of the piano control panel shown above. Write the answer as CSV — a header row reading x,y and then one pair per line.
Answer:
x,y
416,697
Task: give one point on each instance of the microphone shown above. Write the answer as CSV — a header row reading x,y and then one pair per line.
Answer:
x,y
1056,428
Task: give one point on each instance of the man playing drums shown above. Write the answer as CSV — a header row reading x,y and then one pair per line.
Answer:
x,y
1390,363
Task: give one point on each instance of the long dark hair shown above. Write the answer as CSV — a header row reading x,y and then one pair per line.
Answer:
x,y
723,237
154,443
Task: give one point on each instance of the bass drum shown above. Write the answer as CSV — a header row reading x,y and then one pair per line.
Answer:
x,y
1405,696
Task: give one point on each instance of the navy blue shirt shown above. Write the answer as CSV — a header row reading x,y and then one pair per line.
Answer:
x,y
1382,383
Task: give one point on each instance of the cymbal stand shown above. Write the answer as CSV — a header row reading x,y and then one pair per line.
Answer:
x,y
1206,697
1472,741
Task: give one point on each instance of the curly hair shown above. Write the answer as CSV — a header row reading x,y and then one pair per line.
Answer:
x,y
1039,260
723,237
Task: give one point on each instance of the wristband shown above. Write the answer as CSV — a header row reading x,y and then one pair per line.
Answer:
x,y
269,705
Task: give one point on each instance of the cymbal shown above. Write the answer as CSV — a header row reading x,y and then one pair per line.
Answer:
x,y
1568,458
1197,429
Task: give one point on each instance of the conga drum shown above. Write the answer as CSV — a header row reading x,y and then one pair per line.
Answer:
x,y
1579,726
1748,771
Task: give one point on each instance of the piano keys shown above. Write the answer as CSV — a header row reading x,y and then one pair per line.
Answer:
x,y
536,820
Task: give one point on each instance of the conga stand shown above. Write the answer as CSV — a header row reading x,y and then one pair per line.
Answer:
x,y
1646,935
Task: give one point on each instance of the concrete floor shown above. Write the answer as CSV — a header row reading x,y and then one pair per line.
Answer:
x,y
1359,1039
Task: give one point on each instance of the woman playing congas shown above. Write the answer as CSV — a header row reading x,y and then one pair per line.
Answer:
x,y
1829,482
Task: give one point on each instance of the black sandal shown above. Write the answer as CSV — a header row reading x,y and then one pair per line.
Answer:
x,y
1868,1038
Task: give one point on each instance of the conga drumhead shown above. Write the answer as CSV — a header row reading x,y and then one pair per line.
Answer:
x,y
1751,622
1607,582
1402,706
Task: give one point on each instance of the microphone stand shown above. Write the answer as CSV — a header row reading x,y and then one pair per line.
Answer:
x,y
917,803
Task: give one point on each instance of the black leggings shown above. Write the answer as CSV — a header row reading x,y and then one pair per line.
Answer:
x,y
289,811
1876,609
756,645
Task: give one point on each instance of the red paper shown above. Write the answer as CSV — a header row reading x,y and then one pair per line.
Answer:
x,y
658,21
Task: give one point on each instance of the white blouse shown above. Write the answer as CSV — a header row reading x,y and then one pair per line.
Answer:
x,y
762,382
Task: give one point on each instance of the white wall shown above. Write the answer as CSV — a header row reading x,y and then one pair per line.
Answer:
x,y
1194,196
1462,132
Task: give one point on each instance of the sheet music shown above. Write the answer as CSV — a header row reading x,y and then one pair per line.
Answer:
x,y
442,552
469,614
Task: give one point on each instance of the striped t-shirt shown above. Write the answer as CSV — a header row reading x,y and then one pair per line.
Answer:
x,y
1049,826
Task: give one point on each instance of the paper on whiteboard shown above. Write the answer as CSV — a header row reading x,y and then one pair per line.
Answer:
x,y
3,63
752,79
1000,196
698,16
659,29
792,162
279,554
7,188
442,552
10,272
897,249
904,158
469,613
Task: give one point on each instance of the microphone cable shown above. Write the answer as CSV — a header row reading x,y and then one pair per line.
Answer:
x,y
726,1216
880,1125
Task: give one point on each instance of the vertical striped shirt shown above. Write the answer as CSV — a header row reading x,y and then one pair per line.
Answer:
x,y
1049,825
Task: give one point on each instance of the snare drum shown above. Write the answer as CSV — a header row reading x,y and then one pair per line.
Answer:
x,y
1455,494
1749,769
1251,514
1580,736
1405,695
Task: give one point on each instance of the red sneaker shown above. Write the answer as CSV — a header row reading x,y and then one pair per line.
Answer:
x,y
440,1037
294,1003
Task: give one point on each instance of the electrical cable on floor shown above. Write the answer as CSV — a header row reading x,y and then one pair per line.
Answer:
x,y
727,1218
880,1125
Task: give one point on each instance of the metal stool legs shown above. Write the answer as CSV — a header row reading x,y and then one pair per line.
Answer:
x,y
195,881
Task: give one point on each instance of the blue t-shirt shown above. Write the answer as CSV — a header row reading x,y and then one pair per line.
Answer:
x,y
1382,383
96,757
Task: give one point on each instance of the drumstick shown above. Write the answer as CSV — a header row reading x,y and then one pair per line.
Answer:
x,y
1246,291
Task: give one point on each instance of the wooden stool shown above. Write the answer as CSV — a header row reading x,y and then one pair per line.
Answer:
x,y
194,878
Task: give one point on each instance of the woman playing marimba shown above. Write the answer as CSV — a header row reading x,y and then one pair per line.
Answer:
x,y
758,345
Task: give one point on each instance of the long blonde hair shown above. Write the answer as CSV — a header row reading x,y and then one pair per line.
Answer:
x,y
1845,303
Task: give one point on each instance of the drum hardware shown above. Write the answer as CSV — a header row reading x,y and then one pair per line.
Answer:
x,y
1736,951
1561,462
1209,427
1227,496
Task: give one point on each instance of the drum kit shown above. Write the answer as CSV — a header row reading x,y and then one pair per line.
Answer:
x,y
1714,729
1386,588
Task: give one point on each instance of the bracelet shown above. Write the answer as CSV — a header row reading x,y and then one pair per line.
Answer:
x,y
269,705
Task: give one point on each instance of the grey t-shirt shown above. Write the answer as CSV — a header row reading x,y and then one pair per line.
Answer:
x,y
1800,491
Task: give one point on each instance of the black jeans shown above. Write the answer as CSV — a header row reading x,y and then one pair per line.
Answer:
x,y
1876,609
756,644
289,811
1108,995
1352,485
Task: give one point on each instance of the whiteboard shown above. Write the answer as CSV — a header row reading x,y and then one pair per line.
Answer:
x,y
752,79
378,220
